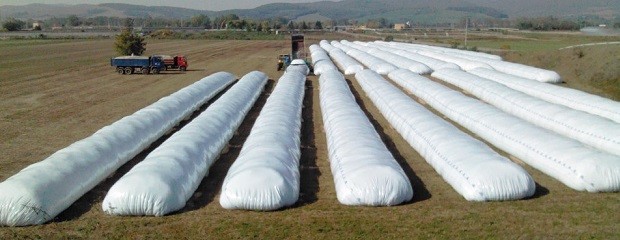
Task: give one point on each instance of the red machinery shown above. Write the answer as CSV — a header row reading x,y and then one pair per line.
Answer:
x,y
176,62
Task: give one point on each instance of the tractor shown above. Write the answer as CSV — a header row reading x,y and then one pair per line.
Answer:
x,y
298,51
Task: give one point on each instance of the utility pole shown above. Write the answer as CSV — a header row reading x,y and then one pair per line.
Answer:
x,y
466,28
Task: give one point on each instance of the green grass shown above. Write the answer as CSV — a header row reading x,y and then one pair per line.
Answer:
x,y
30,42
517,45
536,42
219,35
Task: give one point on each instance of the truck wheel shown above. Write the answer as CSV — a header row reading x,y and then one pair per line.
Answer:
x,y
183,69
156,70
119,70
128,70
145,71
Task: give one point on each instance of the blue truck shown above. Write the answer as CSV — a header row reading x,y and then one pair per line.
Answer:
x,y
131,64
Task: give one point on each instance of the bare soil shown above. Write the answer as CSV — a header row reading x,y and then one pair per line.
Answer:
x,y
53,93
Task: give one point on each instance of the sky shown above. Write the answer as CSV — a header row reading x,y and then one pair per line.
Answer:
x,y
214,5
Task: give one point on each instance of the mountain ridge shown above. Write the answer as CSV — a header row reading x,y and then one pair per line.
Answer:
x,y
395,10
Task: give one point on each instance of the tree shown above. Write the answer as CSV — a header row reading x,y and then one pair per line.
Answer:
x,y
248,25
525,24
73,21
13,25
548,23
373,23
222,21
318,25
278,23
263,26
128,43
128,24
384,22
201,20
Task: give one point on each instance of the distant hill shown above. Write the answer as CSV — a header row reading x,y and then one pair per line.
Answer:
x,y
608,9
394,10
153,11
421,11
43,11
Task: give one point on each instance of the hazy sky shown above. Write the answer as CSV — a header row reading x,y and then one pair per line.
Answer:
x,y
215,5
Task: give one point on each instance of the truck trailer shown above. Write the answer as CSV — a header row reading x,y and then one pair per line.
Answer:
x,y
131,64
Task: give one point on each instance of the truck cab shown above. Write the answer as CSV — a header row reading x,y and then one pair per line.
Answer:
x,y
156,63
181,62
176,62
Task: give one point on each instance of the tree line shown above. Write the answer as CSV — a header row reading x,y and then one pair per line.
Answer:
x,y
229,21
233,21
547,24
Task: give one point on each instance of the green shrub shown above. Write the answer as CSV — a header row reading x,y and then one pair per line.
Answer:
x,y
128,43
454,43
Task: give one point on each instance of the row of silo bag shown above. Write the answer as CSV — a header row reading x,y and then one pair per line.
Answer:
x,y
265,176
578,166
365,172
432,63
391,58
572,98
434,58
344,62
520,77
321,60
593,130
42,190
168,176
605,139
468,60
564,167
375,63
460,159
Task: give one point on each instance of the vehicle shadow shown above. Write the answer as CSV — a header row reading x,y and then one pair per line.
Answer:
x,y
169,72
421,193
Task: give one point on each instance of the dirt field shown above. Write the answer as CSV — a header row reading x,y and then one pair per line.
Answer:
x,y
53,93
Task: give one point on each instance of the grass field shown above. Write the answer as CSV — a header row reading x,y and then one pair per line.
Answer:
x,y
594,69
55,92
531,42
